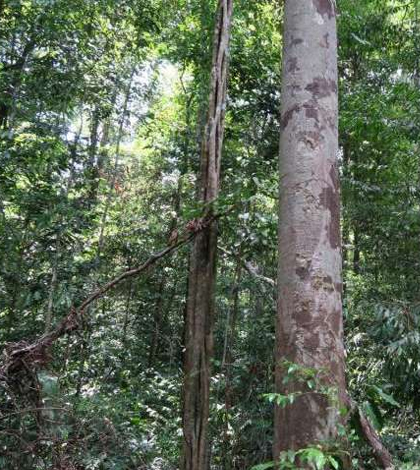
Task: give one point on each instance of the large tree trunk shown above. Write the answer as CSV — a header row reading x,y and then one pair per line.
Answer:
x,y
309,320
199,316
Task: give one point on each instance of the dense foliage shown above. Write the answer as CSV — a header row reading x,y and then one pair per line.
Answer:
x,y
102,105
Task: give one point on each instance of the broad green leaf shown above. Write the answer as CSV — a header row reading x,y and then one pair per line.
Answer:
x,y
333,462
263,466
385,396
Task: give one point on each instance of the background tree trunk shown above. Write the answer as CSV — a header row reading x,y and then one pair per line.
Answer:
x,y
199,316
228,361
309,327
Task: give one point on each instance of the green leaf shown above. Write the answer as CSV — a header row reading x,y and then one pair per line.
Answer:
x,y
333,462
315,456
372,413
360,40
291,455
263,466
385,396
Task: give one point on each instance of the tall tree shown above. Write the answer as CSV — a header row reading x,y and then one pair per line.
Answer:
x,y
309,327
199,317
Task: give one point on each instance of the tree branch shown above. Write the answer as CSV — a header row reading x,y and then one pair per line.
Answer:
x,y
380,452
252,269
25,355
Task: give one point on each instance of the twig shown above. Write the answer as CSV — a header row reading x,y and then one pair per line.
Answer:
x,y
253,270
31,410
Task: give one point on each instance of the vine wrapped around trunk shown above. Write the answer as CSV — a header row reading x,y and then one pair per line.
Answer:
x,y
199,316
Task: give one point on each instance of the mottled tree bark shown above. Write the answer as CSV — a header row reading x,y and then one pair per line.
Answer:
x,y
199,316
309,321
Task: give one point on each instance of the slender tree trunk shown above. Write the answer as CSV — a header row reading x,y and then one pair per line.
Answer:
x,y
83,355
356,252
53,287
116,163
228,359
157,323
159,312
3,115
8,113
309,329
127,312
417,28
16,288
199,316
93,165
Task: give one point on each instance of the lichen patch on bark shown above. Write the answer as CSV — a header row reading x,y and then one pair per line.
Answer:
x,y
288,115
296,41
325,41
321,87
295,89
292,65
311,111
303,272
311,139
325,8
328,199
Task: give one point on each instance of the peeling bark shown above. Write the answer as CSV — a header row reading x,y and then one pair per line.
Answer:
x,y
199,316
309,329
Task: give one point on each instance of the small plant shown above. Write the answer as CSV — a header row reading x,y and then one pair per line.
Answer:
x,y
321,455
317,457
308,378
